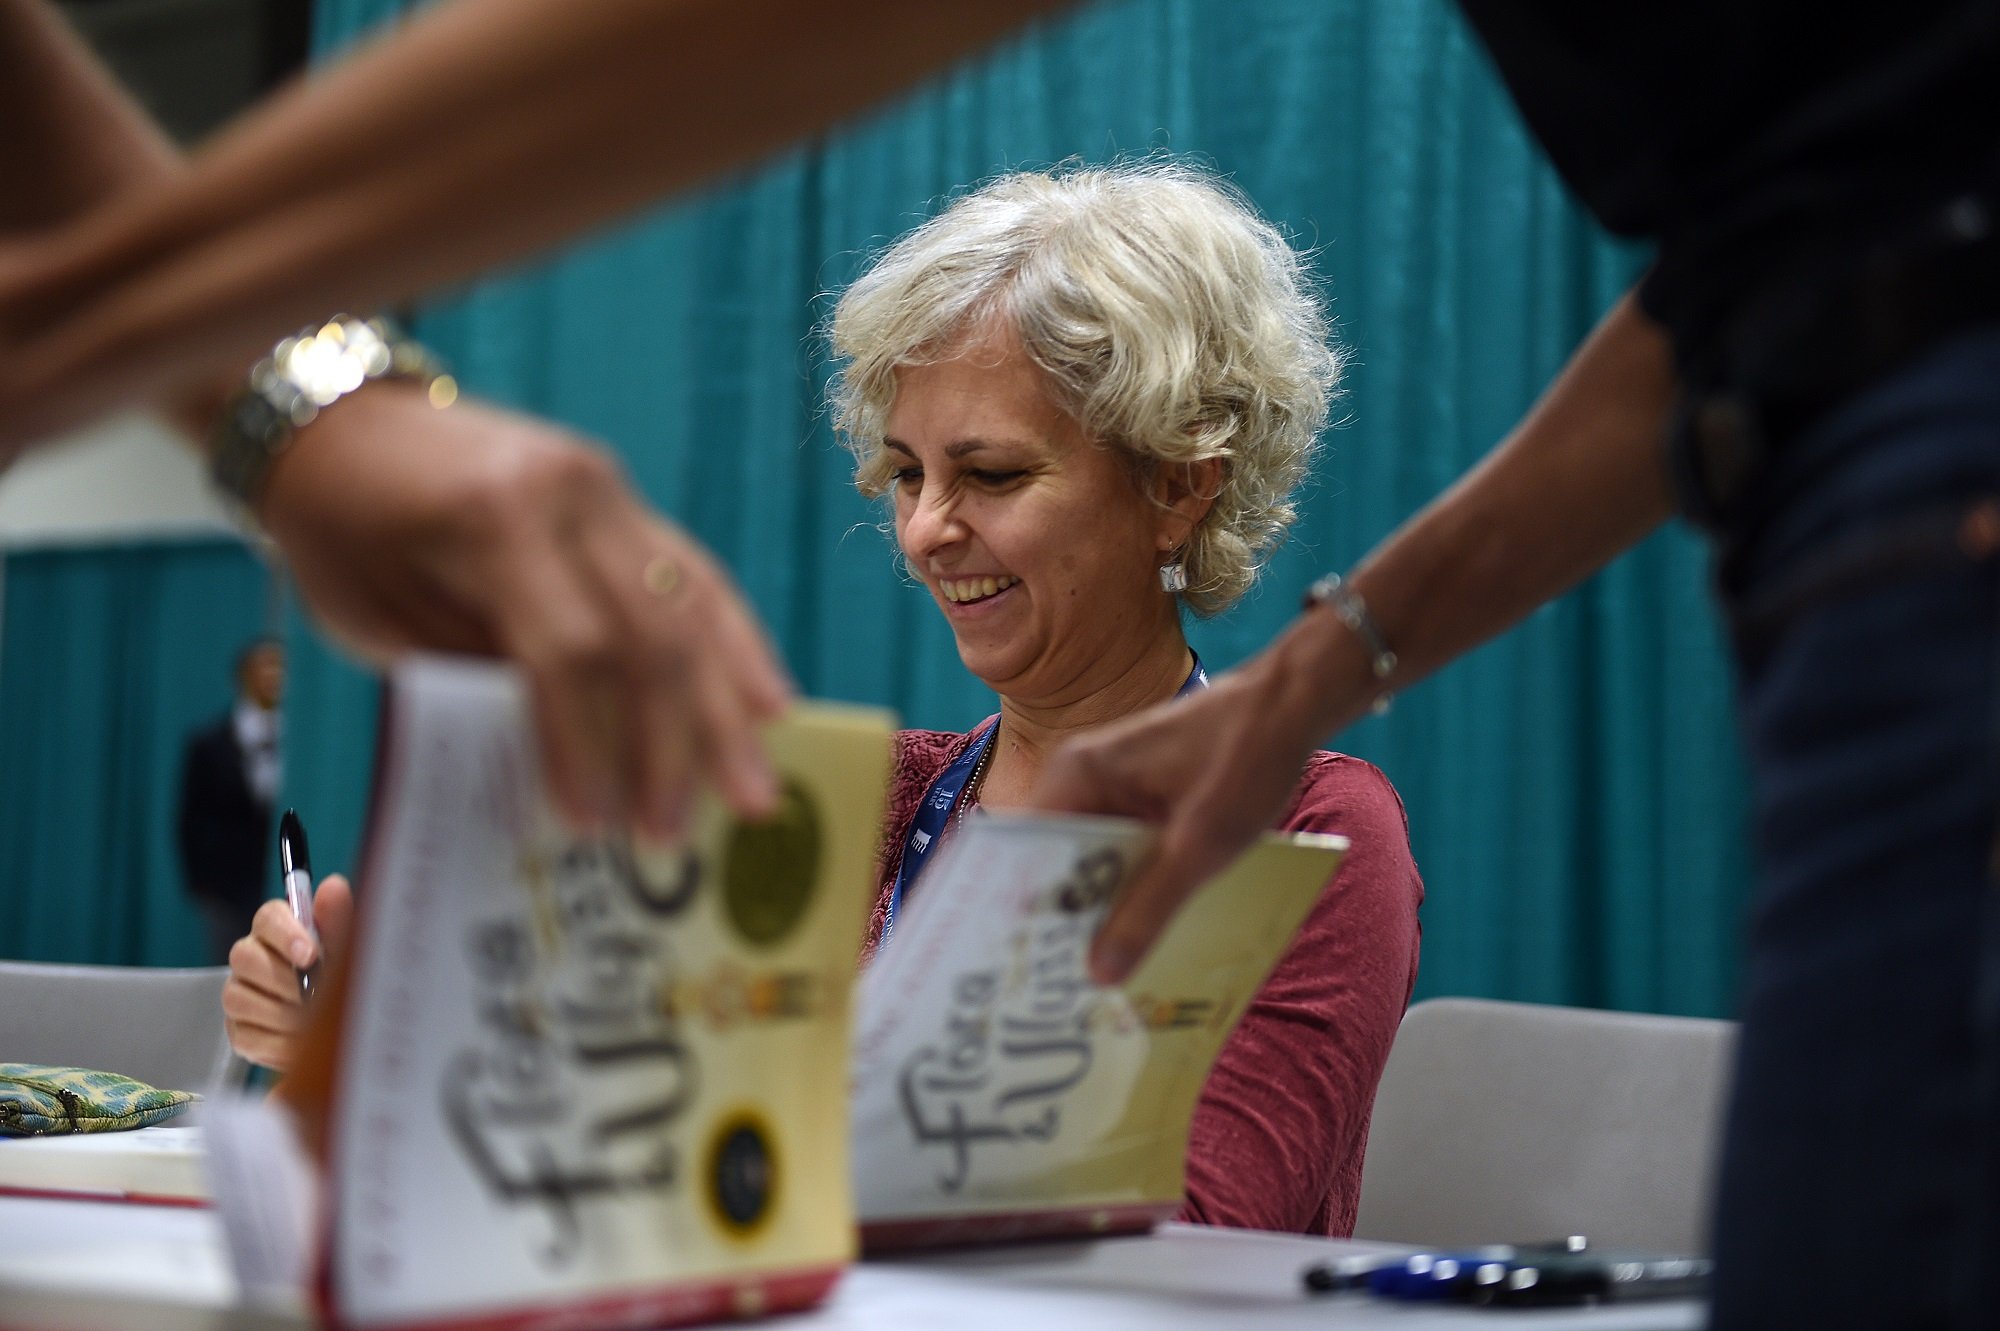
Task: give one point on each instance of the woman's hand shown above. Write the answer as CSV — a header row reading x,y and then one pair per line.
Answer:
x,y
262,1008
470,529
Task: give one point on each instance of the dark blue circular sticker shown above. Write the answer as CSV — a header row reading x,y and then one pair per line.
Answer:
x,y
742,1175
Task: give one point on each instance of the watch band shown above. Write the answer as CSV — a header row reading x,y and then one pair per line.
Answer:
x,y
304,374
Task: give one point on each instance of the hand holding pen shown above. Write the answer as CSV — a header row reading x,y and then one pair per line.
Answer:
x,y
295,869
264,1008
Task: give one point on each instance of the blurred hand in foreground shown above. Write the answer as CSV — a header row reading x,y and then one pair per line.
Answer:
x,y
127,275
470,529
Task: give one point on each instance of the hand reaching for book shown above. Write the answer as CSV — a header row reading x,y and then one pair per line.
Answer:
x,y
1213,770
471,529
262,1009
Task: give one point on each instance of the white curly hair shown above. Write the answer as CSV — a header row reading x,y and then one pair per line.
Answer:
x,y
1166,317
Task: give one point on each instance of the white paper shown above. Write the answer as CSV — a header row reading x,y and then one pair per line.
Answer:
x,y
266,1194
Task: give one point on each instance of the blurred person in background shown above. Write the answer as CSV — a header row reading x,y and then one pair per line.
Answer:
x,y
231,771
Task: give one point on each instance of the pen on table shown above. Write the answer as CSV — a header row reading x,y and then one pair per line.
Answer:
x,y
1369,1270
295,868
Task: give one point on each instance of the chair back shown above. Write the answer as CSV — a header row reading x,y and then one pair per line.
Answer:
x,y
1514,1122
161,1025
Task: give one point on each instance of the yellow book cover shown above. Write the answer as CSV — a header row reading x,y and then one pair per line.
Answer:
x,y
581,1086
999,1093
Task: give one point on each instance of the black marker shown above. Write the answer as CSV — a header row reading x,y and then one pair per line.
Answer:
x,y
295,870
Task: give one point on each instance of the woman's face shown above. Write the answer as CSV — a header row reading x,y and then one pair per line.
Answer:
x,y
1036,543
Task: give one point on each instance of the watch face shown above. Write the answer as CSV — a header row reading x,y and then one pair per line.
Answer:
x,y
311,369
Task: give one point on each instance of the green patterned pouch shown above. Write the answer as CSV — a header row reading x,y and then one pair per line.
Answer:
x,y
36,1100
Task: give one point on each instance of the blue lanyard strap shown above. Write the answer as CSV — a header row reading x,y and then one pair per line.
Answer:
x,y
941,801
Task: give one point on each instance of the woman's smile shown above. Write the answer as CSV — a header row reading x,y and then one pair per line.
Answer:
x,y
975,591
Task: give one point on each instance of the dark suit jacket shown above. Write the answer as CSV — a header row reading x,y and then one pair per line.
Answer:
x,y
225,831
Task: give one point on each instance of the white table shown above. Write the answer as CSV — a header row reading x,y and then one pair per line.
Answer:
x,y
108,1266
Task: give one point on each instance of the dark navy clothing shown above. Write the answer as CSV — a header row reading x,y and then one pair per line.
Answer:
x,y
1758,141
223,834
1864,1125
1823,184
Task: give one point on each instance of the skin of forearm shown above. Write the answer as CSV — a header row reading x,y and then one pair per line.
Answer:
x,y
479,132
83,141
1579,481
75,139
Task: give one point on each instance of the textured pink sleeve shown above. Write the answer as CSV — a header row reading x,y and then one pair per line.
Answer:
x,y
1282,1123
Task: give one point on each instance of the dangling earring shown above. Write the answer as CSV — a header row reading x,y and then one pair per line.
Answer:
x,y
1173,576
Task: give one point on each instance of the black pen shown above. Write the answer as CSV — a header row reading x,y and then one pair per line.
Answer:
x,y
295,869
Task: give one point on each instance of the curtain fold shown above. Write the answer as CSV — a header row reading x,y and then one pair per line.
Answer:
x,y
1575,793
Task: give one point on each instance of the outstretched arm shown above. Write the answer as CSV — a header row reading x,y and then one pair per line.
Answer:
x,y
477,132
74,139
467,529
1580,480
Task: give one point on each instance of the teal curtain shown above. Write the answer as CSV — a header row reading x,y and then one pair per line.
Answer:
x,y
1574,792
109,655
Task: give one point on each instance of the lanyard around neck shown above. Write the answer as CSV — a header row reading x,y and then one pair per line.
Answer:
x,y
933,816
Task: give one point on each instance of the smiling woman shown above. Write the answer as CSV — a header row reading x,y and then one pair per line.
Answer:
x,y
1088,396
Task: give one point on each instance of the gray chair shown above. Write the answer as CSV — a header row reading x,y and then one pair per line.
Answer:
x,y
1499,1122
160,1025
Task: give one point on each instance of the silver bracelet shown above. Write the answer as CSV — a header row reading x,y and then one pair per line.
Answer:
x,y
306,372
1333,592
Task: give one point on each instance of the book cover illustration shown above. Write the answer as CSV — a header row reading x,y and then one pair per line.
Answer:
x,y
581,1084
999,1092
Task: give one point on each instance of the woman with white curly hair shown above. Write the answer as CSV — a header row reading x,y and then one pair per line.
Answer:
x,y
1089,395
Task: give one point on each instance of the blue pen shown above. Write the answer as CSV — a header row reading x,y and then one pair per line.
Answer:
x,y
1436,1274
295,870
1428,1276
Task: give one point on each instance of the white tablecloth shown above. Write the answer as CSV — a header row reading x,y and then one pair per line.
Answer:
x,y
109,1266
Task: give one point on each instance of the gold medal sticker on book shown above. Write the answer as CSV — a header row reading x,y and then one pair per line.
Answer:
x,y
582,1081
769,868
